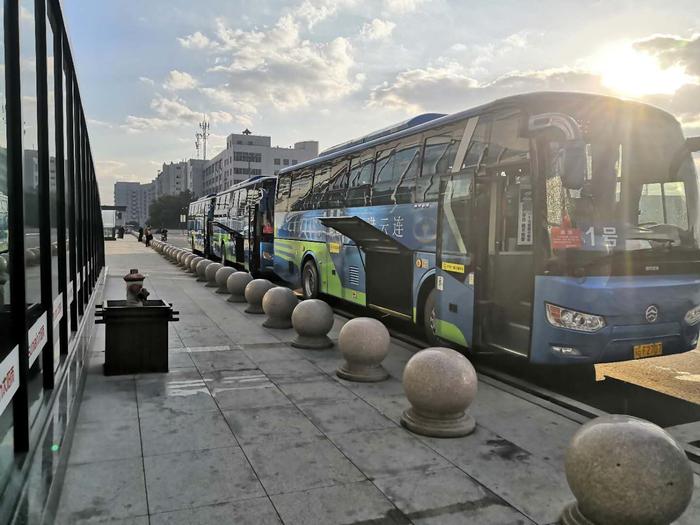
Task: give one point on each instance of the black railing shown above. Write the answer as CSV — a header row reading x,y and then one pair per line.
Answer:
x,y
51,249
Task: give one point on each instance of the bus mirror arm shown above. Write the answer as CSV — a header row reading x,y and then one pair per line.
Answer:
x,y
691,145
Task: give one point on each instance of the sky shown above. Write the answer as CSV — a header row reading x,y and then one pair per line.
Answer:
x,y
331,70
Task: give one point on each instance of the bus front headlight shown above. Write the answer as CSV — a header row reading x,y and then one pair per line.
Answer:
x,y
573,320
692,317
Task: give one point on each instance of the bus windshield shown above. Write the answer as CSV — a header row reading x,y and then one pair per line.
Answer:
x,y
631,199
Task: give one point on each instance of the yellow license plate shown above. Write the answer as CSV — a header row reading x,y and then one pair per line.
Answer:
x,y
648,350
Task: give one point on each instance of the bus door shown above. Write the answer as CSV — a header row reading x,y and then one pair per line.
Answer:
x,y
252,233
454,307
388,265
504,249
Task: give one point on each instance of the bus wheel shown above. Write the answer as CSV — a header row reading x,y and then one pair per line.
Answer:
x,y
430,319
309,280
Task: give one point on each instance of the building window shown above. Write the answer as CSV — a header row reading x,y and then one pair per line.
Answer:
x,y
295,162
286,162
246,156
277,162
245,171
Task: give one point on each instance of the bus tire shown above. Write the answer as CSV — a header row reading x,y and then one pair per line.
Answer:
x,y
310,280
429,319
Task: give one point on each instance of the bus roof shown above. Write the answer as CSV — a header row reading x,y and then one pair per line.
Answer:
x,y
406,124
247,182
523,100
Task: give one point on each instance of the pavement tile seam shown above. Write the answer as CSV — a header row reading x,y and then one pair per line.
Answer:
x,y
245,455
299,406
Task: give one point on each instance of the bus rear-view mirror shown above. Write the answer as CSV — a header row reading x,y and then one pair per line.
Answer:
x,y
573,164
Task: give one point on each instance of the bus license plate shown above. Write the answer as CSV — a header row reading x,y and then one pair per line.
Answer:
x,y
648,350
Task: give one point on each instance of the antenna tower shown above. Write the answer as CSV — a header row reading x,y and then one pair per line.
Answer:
x,y
203,135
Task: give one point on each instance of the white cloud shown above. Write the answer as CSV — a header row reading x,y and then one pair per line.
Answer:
x,y
196,41
377,29
402,6
277,65
146,80
673,50
449,87
179,80
173,113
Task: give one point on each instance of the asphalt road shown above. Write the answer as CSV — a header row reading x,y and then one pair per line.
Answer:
x,y
676,375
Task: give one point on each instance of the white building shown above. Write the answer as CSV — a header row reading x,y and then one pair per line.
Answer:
x,y
247,155
195,177
172,179
137,198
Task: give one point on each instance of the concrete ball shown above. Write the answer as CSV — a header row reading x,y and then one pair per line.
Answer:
x,y
439,381
194,263
278,304
236,285
222,276
188,259
364,341
312,317
201,268
210,274
624,470
254,293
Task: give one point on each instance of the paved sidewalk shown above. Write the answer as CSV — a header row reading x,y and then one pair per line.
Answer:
x,y
247,430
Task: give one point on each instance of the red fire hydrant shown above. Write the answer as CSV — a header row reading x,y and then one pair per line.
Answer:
x,y
135,292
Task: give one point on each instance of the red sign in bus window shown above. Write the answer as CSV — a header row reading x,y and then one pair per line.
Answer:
x,y
563,238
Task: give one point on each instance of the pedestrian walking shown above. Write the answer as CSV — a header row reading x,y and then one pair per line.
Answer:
x,y
149,236
140,233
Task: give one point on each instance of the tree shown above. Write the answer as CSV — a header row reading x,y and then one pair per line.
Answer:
x,y
165,211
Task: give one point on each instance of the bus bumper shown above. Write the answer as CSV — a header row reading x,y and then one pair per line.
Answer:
x,y
622,302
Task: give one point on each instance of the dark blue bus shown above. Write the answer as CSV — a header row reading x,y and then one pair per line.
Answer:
x,y
561,227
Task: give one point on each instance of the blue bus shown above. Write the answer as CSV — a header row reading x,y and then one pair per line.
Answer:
x,y
560,227
235,226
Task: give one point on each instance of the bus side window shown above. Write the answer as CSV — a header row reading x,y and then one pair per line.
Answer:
x,y
438,156
337,186
360,181
282,199
407,167
300,193
321,178
384,173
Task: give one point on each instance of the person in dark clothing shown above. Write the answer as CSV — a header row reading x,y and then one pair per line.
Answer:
x,y
149,236
140,233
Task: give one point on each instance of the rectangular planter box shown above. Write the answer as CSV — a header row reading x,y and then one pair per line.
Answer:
x,y
136,336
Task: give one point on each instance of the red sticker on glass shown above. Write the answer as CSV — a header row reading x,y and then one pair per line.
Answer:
x,y
563,238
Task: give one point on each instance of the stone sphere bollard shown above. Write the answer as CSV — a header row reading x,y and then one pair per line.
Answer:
x,y
254,293
440,384
193,265
236,285
187,261
188,268
210,274
278,304
364,343
312,320
201,270
622,469
181,258
222,276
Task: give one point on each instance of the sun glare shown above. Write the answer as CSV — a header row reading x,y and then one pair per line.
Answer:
x,y
634,73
